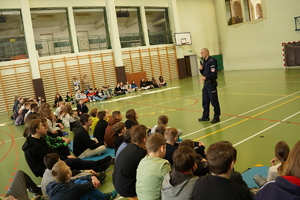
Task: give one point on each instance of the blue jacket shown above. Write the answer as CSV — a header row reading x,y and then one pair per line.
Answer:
x,y
71,190
279,189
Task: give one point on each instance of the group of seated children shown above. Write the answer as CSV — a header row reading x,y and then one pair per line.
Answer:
x,y
144,85
161,168
105,92
43,138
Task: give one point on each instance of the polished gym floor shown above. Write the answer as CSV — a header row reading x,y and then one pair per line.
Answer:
x,y
259,108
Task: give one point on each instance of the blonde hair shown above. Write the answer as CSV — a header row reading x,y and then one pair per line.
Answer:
x,y
292,164
60,172
171,133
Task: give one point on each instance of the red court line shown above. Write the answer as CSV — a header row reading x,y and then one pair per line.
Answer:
x,y
12,142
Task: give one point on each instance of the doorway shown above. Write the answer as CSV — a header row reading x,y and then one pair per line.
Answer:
x,y
191,65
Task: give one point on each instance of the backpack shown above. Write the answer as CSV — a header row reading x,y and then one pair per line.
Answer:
x,y
19,120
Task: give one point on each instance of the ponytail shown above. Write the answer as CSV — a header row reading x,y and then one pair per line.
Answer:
x,y
282,151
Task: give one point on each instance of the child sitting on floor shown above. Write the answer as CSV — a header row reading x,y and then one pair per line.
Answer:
x,y
82,108
91,95
69,98
82,188
74,121
152,169
179,183
118,129
83,96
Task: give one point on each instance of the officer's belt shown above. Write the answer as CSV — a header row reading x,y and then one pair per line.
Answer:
x,y
210,81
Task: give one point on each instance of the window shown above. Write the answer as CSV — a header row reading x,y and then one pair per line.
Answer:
x,y
91,28
12,39
158,26
234,12
51,31
130,27
252,10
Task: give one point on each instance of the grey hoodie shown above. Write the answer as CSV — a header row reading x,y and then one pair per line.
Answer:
x,y
178,186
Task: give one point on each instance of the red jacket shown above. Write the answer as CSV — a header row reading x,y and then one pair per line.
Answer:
x,y
90,94
110,136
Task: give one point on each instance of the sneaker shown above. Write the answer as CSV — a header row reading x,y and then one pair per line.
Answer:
x,y
104,160
111,195
260,180
90,100
214,121
105,165
94,99
203,119
101,176
113,161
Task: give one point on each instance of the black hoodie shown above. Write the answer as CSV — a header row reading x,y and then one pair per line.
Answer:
x,y
35,151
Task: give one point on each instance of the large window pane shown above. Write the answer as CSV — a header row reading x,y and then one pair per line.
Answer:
x,y
158,26
12,39
252,10
51,31
255,9
91,28
130,27
247,10
235,9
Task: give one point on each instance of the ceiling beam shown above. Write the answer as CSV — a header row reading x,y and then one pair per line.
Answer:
x,y
63,26
158,22
131,22
99,24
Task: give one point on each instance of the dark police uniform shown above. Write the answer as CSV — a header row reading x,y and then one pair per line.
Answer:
x,y
209,91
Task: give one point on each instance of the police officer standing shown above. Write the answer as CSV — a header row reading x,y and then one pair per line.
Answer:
x,y
208,69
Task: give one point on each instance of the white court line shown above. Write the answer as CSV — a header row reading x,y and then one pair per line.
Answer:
x,y
161,90
239,115
123,98
265,129
131,97
161,102
187,97
14,139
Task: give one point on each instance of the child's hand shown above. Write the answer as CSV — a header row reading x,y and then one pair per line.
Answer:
x,y
273,161
71,156
95,182
92,172
61,126
201,144
66,140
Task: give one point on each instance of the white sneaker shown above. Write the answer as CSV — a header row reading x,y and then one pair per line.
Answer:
x,y
94,99
90,100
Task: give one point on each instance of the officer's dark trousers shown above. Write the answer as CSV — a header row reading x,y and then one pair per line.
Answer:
x,y
210,95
